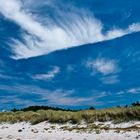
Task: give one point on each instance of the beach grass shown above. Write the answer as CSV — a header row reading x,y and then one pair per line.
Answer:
x,y
116,115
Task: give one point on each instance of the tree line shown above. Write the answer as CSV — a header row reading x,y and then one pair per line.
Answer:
x,y
36,108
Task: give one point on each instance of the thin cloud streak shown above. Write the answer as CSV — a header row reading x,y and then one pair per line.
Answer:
x,y
52,97
47,76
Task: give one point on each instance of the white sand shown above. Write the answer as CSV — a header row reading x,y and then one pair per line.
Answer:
x,y
47,131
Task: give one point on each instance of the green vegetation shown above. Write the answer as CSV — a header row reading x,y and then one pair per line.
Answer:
x,y
36,108
117,114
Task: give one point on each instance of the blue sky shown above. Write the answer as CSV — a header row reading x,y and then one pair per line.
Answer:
x,y
69,53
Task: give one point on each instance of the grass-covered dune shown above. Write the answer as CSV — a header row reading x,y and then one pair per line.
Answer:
x,y
116,114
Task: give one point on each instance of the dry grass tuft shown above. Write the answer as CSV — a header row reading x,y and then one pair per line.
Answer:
x,y
116,115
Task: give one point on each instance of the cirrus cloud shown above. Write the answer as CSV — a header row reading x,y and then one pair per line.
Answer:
x,y
70,29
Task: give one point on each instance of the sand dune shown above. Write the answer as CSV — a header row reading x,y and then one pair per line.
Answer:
x,y
47,131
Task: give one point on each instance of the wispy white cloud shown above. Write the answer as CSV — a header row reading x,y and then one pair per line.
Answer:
x,y
134,27
113,79
48,76
134,90
67,98
121,92
16,101
62,97
70,29
50,97
102,65
3,76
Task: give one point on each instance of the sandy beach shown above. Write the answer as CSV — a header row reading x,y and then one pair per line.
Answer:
x,y
47,131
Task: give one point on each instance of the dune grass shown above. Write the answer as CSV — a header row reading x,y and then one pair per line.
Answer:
x,y
118,114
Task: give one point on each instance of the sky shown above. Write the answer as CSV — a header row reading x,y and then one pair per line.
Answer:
x,y
69,53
